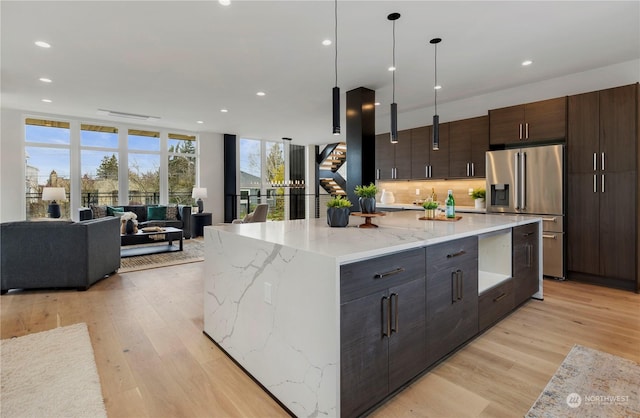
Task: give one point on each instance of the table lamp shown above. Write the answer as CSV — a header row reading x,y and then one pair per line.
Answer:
x,y
52,194
199,193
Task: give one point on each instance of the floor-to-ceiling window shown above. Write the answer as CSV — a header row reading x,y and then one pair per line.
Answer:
x,y
181,167
144,166
47,160
99,165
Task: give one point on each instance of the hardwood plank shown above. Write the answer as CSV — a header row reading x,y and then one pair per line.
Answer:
x,y
153,359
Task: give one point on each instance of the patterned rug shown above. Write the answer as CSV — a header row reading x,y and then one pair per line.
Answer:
x,y
591,383
193,251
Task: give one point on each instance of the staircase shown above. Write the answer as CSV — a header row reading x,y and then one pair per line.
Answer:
x,y
330,160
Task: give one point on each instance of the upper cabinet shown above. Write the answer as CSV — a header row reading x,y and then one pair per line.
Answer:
x,y
469,140
425,162
532,122
392,160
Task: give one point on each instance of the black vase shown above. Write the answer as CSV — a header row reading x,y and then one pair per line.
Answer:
x,y
338,217
129,227
367,204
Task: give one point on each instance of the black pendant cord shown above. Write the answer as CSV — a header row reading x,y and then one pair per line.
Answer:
x,y
393,94
435,86
335,36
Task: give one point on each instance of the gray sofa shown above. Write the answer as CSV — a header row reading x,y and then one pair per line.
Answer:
x,y
58,254
177,216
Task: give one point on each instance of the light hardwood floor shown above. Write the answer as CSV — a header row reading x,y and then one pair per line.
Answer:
x,y
154,360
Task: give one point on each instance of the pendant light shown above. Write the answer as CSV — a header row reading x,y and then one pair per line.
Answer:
x,y
336,89
394,106
436,87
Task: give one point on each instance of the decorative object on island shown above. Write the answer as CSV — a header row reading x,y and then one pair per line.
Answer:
x,y
338,211
478,196
387,197
199,193
394,106
367,218
450,205
430,209
53,194
436,87
367,197
336,89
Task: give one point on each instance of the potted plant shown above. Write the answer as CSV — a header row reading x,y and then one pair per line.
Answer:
x,y
338,211
367,197
430,209
478,195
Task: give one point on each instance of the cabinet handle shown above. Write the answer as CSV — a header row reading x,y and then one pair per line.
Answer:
x,y
394,309
377,174
454,287
602,186
549,236
386,320
461,252
595,183
473,169
388,273
460,275
602,162
595,161
529,255
430,171
468,170
553,219
520,132
499,298
426,170
526,130
528,234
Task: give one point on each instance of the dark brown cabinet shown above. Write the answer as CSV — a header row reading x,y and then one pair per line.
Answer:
x,y
452,295
382,327
469,141
393,160
526,262
495,303
545,120
427,163
602,150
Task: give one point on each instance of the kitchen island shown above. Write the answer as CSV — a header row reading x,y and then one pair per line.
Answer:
x,y
284,299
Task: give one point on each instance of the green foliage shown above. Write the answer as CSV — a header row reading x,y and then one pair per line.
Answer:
x,y
430,205
478,193
108,168
366,191
338,202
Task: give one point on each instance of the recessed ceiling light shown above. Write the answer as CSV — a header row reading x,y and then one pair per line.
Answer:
x,y
224,2
438,87
47,100
42,44
527,62
200,122
392,68
224,110
327,42
260,93
45,80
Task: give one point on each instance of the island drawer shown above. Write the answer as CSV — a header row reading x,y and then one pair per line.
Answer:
x,y
451,254
364,277
495,303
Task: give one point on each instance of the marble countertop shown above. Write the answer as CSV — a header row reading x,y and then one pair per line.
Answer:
x,y
411,206
397,231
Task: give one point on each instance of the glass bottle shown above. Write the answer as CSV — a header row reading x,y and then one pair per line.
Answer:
x,y
450,210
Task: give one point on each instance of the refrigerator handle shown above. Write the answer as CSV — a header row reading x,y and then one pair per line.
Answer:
x,y
523,182
516,191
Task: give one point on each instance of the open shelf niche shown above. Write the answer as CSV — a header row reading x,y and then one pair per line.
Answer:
x,y
494,259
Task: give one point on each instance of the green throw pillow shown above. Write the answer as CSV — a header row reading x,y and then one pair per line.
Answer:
x,y
112,209
157,213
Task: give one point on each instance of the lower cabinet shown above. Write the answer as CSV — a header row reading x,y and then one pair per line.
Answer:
x,y
452,296
526,262
494,304
382,328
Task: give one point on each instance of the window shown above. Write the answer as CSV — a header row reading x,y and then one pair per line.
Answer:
x,y
181,167
99,165
144,167
47,155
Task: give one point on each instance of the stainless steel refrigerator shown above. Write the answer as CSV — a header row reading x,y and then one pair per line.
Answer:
x,y
530,181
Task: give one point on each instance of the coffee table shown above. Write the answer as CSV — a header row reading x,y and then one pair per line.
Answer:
x,y
157,242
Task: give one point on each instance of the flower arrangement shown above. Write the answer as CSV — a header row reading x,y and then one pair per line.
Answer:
x,y
338,202
478,193
124,219
366,191
429,205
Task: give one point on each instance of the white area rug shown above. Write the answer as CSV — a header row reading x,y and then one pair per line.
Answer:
x,y
50,374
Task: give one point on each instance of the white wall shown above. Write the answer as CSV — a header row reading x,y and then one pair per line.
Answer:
x,y
212,174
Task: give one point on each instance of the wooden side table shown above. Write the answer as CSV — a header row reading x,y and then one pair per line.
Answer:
x,y
198,222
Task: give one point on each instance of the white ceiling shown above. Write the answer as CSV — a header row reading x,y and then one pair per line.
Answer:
x,y
183,61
